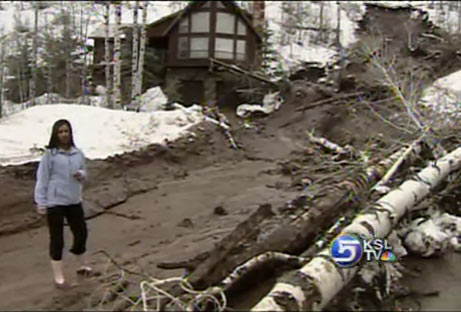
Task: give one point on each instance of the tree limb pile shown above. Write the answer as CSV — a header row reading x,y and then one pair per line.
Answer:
x,y
315,284
292,237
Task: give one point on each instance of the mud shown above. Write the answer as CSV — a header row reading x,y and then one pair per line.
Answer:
x,y
160,204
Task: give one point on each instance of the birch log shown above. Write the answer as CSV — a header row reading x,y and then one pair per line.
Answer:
x,y
142,49
134,60
117,57
107,58
314,285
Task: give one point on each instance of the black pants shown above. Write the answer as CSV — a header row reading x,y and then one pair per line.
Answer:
x,y
75,219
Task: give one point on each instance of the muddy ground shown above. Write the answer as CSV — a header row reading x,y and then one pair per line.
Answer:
x,y
159,204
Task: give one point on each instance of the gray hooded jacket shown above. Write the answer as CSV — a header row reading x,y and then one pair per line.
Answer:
x,y
56,185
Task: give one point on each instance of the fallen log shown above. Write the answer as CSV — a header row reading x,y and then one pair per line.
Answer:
x,y
314,285
230,244
294,236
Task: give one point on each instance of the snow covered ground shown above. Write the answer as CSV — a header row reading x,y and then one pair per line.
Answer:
x,y
99,132
443,99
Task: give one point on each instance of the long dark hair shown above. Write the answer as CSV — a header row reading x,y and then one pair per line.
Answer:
x,y
54,140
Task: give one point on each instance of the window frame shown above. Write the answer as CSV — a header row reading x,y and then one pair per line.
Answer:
x,y
212,35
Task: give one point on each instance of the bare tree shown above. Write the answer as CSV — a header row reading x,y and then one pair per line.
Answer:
x,y
134,62
338,24
321,25
107,57
84,36
117,56
142,49
33,84
66,34
459,16
49,71
3,70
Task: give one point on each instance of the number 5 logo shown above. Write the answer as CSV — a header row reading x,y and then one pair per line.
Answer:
x,y
346,250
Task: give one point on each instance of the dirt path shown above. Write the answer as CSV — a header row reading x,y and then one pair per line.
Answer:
x,y
151,234
435,274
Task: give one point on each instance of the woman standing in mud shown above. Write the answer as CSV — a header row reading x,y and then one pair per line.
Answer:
x,y
58,195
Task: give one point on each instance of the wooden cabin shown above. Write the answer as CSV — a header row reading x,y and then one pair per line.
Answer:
x,y
186,41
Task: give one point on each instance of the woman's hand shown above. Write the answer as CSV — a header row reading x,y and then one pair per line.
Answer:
x,y
78,175
41,210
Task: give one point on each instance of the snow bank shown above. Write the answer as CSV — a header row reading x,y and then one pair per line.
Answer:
x,y
99,132
443,98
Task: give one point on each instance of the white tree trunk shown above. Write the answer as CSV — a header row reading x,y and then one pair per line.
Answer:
x,y
134,61
65,31
320,279
117,58
338,24
321,30
459,17
33,84
107,58
142,49
84,35
49,68
2,76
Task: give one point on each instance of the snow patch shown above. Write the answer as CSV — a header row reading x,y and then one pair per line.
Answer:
x,y
442,99
434,236
271,102
99,132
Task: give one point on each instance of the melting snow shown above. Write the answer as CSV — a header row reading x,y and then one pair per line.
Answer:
x,y
99,132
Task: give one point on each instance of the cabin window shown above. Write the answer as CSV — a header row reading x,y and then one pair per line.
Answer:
x,y
200,22
199,47
184,26
229,35
206,5
225,23
224,48
240,53
241,28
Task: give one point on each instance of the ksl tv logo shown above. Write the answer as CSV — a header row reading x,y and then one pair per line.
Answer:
x,y
348,250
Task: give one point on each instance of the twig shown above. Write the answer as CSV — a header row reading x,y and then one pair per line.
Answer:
x,y
114,262
384,119
328,101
